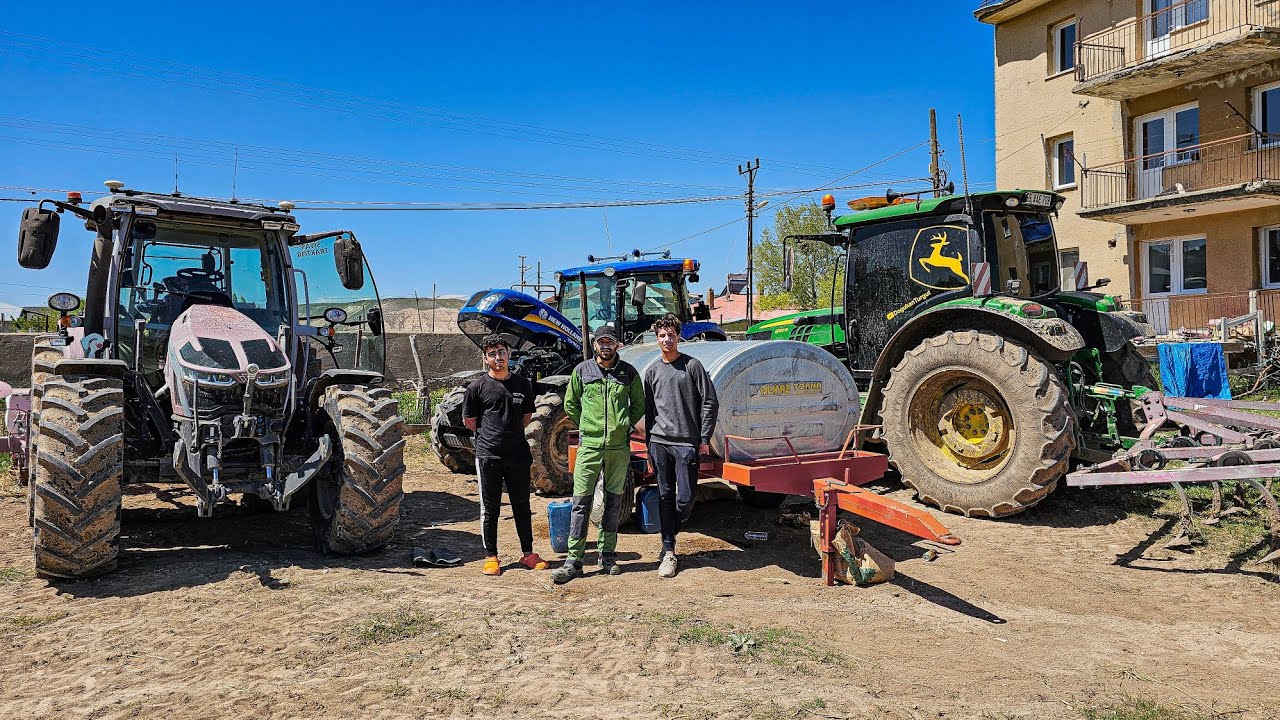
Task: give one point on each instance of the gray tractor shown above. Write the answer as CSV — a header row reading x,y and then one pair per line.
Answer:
x,y
219,348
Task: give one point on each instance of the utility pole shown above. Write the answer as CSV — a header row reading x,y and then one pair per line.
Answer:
x,y
433,308
523,268
750,171
935,170
418,305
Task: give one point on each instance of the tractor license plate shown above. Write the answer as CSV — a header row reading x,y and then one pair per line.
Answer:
x,y
1035,199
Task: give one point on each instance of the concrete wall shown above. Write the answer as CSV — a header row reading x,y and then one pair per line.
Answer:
x,y
441,355
1035,107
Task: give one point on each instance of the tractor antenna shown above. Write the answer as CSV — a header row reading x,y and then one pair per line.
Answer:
x,y
235,173
964,168
175,174
608,236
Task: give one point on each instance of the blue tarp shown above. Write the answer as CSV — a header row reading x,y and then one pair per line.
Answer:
x,y
1194,370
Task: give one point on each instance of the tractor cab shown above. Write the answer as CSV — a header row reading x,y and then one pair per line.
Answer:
x,y
631,294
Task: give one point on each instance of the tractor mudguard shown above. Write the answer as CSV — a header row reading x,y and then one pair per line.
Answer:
x,y
95,367
1053,338
1101,326
545,384
340,377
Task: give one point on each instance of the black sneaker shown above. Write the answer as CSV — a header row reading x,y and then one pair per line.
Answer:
x,y
609,565
566,572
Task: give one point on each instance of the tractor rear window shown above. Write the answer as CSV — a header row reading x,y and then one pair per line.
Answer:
x,y
1021,247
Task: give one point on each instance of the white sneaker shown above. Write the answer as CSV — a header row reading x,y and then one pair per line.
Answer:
x,y
667,568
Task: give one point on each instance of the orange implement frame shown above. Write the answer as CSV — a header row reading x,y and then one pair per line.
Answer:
x,y
832,478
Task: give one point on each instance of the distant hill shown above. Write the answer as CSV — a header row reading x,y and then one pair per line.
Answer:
x,y
407,315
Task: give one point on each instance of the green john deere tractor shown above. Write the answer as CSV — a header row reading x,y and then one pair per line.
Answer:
x,y
986,377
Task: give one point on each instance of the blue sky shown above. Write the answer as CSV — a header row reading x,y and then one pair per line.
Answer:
x,y
476,103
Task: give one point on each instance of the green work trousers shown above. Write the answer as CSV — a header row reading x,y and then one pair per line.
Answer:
x,y
591,461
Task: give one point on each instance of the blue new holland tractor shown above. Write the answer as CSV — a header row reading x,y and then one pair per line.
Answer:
x,y
547,340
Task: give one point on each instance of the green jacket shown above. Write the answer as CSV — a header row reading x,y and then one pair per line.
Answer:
x,y
604,404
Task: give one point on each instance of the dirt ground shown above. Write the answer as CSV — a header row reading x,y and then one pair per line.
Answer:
x,y
1064,612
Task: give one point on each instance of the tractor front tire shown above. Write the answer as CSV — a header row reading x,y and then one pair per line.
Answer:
x,y
548,436
455,459
77,474
355,506
977,424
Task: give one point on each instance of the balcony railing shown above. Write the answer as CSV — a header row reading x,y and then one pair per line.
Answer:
x,y
1181,26
1197,315
1218,164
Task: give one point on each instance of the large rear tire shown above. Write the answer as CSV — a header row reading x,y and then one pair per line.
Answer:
x,y
77,474
977,424
548,435
445,423
355,507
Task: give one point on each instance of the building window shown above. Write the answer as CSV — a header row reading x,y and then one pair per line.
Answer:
x,y
1169,137
1266,113
1063,165
1271,257
1063,40
1175,267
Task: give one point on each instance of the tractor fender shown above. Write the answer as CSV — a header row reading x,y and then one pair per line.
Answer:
x,y
708,331
1053,338
94,367
340,377
544,384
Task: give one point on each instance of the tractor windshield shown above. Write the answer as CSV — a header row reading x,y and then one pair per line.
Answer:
x,y
358,343
169,266
1021,246
664,293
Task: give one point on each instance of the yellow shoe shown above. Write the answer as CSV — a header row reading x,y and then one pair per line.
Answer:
x,y
491,566
533,562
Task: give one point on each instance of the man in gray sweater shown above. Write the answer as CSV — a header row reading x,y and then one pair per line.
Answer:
x,y
680,415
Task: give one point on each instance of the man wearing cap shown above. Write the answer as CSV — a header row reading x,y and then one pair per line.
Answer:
x,y
605,400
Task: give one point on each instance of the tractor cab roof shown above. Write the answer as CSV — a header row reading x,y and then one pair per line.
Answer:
x,y
154,203
630,267
1013,200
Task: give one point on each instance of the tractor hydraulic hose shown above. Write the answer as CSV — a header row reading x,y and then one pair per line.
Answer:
x,y
96,289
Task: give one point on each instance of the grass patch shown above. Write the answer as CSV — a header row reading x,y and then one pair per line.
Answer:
x,y
14,574
19,623
1141,709
397,689
9,478
402,623
778,645
407,405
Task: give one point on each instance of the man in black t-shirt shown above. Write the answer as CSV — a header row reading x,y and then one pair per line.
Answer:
x,y
496,408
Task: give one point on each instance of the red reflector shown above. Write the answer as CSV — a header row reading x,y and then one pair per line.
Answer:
x,y
1032,310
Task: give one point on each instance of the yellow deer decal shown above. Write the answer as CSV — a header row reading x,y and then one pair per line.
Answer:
x,y
938,260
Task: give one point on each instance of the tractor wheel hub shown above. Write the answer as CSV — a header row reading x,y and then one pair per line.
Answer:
x,y
972,425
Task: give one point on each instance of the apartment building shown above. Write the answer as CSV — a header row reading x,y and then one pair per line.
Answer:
x,y
1160,122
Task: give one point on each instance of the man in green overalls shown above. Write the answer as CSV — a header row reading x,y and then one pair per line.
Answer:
x,y
605,400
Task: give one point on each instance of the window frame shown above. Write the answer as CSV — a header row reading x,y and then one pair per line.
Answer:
x,y
1055,46
1256,114
1177,277
1054,163
1262,258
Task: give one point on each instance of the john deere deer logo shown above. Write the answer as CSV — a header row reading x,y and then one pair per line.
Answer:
x,y
943,267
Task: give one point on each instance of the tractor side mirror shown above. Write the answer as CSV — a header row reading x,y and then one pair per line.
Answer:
x,y
788,262
374,318
701,311
638,292
37,237
349,261
1102,282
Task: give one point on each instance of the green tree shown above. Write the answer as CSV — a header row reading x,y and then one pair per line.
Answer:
x,y
816,265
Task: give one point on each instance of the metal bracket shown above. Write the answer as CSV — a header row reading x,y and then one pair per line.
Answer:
x,y
295,480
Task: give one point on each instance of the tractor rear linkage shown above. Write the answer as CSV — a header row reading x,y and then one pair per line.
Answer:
x,y
1219,441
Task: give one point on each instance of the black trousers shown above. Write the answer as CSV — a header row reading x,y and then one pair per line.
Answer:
x,y
677,469
492,474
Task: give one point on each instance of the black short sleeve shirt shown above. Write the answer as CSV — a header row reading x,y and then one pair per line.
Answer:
x,y
499,407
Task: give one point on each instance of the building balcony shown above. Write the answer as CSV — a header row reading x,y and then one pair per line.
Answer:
x,y
1188,41
1236,173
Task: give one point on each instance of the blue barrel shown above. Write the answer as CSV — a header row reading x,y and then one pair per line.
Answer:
x,y
558,514
647,510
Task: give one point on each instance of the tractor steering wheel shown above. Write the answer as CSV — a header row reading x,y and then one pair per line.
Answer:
x,y
190,273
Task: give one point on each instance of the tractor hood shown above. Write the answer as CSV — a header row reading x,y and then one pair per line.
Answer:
x,y
217,340
525,321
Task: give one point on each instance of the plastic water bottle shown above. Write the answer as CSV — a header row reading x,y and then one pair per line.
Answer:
x,y
754,535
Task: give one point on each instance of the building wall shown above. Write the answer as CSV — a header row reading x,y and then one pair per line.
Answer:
x,y
1034,107
1232,262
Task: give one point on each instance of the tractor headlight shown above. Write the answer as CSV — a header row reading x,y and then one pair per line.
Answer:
x,y
272,379
208,378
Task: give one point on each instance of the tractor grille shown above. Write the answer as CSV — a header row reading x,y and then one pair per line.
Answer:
x,y
267,402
